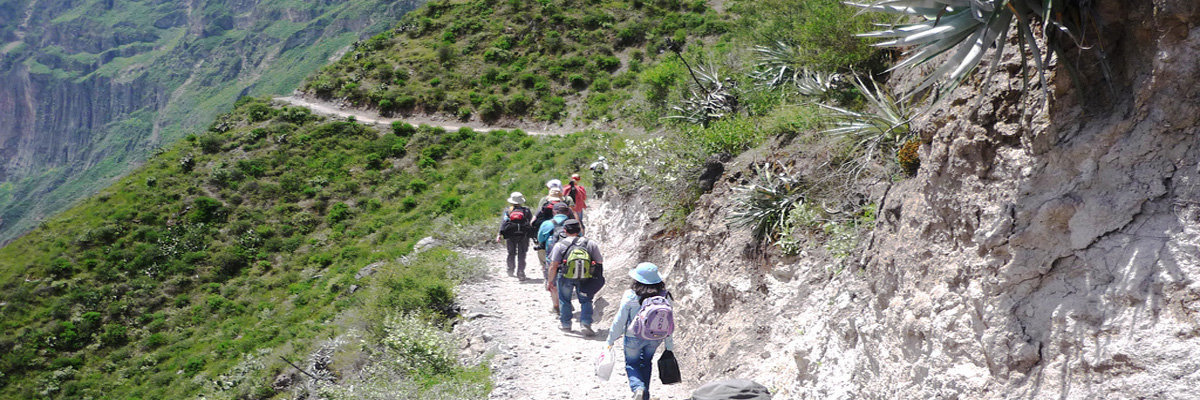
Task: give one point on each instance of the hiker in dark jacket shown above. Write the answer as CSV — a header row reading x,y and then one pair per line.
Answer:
x,y
515,228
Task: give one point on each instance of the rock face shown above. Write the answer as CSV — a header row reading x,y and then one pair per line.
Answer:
x,y
89,89
1035,255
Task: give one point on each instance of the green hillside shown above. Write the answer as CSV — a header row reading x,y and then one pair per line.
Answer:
x,y
244,241
535,60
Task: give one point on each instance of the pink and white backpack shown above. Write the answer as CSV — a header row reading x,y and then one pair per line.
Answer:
x,y
655,321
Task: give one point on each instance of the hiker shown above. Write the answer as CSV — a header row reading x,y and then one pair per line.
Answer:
x,y
573,260
514,228
548,234
554,194
644,324
545,210
576,192
598,168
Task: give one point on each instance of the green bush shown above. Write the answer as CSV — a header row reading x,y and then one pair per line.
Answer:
x,y
207,210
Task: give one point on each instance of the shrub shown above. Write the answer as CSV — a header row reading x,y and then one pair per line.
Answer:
x,y
211,143
448,204
553,108
339,212
113,335
403,129
608,63
660,79
417,185
206,209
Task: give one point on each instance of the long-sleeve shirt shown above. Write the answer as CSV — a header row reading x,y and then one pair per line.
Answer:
x,y
630,306
580,197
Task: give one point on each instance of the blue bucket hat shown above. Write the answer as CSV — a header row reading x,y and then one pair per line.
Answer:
x,y
646,273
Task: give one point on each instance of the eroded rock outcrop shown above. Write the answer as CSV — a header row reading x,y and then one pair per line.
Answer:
x,y
1049,254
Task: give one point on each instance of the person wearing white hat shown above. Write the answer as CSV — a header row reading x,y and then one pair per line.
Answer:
x,y
647,288
515,228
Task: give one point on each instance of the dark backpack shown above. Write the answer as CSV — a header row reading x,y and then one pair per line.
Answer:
x,y
573,192
517,224
559,233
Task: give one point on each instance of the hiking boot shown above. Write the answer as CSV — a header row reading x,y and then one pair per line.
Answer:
x,y
510,272
587,330
565,328
639,394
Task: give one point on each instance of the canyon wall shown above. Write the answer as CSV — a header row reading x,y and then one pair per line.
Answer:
x,y
1041,251
89,90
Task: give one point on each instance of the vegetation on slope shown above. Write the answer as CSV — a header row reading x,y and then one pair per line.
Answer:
x,y
546,60
198,271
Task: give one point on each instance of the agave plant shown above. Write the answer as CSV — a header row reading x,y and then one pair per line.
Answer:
x,y
765,203
969,28
816,84
777,67
776,64
712,98
879,129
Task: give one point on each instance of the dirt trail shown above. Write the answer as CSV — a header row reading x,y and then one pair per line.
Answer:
x,y
369,116
531,358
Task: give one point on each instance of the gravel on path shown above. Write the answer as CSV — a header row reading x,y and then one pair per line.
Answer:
x,y
320,107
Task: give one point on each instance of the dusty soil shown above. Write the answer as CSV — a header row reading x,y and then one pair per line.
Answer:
x,y
325,108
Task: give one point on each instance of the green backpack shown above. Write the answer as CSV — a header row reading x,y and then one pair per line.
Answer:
x,y
578,261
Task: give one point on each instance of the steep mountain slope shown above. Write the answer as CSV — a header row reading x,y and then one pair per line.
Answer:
x,y
88,89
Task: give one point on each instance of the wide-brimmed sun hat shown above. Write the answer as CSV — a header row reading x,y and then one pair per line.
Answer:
x,y
554,183
516,198
646,273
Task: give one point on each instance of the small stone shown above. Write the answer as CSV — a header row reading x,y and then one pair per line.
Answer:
x,y
487,337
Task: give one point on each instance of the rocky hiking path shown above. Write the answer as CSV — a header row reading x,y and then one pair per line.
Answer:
x,y
320,107
511,322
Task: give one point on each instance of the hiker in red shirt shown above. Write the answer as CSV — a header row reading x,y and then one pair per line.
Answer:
x,y
576,192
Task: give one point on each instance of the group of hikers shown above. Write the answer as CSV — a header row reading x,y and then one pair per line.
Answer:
x,y
573,265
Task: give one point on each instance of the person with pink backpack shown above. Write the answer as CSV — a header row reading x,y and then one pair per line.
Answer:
x,y
646,320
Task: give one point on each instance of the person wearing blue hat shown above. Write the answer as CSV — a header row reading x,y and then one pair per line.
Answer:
x,y
641,338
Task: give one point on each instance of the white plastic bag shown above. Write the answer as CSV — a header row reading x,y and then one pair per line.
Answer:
x,y
604,365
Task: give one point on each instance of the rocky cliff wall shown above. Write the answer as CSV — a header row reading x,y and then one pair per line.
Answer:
x,y
89,89
32,106
1048,254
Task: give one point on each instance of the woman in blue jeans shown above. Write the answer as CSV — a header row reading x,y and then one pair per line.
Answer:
x,y
639,353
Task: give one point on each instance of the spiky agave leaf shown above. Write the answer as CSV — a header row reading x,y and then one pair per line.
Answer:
x,y
776,64
765,203
711,99
815,84
968,27
883,126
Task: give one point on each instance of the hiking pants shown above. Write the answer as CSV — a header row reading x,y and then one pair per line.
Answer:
x,y
565,287
639,357
517,247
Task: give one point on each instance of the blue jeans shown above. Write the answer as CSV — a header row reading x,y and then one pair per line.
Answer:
x,y
565,287
639,362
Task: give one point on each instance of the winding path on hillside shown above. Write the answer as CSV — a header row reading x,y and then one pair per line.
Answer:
x,y
329,109
531,358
